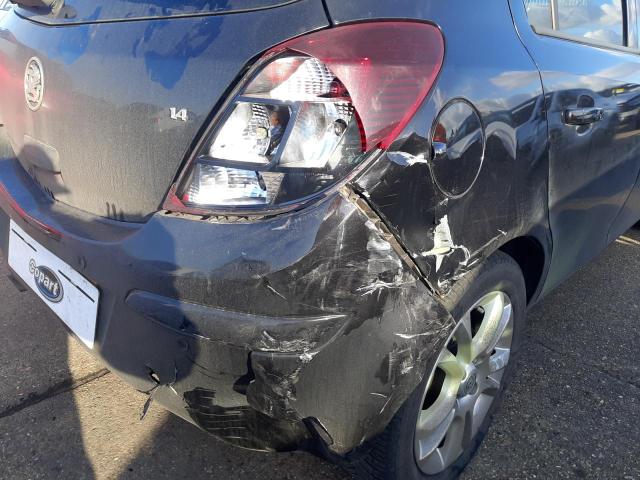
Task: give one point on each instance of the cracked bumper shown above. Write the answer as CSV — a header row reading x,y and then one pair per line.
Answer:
x,y
270,334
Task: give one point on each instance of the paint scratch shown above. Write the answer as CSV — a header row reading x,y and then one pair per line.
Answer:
x,y
273,290
406,159
412,336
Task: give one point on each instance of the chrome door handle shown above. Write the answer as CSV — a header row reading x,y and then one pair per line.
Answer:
x,y
582,116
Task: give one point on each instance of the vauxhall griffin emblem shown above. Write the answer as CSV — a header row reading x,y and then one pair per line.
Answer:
x,y
34,84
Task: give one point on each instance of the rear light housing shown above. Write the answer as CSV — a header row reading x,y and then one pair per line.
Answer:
x,y
307,115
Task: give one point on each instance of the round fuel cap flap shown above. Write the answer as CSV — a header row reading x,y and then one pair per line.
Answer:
x,y
458,145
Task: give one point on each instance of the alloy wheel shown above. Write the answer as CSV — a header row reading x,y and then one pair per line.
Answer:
x,y
464,384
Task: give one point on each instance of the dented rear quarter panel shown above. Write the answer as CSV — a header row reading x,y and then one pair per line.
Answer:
x,y
487,66
351,326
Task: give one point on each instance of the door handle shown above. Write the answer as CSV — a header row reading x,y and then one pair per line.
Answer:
x,y
582,116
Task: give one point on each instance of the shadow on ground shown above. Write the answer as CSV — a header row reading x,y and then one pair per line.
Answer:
x,y
38,360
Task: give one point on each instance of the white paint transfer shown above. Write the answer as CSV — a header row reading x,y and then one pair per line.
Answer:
x,y
443,244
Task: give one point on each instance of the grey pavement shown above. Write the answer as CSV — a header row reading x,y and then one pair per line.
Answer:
x,y
572,411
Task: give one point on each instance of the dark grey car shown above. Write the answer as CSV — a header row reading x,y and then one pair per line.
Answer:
x,y
316,224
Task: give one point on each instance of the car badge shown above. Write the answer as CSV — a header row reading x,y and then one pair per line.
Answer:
x,y
47,281
34,84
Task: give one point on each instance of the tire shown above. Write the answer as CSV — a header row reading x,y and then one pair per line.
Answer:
x,y
392,455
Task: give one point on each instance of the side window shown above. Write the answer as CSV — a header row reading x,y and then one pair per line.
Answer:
x,y
539,12
600,21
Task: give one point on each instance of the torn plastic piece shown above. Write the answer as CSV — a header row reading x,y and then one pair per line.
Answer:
x,y
147,404
151,394
243,426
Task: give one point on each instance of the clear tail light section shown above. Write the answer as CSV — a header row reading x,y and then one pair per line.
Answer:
x,y
308,114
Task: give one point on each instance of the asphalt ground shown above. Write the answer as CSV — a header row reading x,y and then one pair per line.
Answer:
x,y
573,410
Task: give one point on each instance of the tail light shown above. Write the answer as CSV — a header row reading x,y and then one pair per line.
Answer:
x,y
311,111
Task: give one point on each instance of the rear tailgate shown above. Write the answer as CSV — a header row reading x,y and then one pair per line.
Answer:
x,y
103,139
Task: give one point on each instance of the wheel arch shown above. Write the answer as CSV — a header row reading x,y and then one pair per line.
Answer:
x,y
530,255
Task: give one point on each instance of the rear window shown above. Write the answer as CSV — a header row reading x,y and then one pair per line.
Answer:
x,y
597,21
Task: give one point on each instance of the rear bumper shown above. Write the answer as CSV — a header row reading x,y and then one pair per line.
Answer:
x,y
271,334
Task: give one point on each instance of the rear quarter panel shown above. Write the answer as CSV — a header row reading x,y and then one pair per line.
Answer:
x,y
486,65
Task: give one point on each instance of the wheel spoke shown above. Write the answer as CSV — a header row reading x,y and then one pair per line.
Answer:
x,y
434,462
431,418
428,440
491,385
497,317
451,365
434,422
463,406
464,337
504,333
464,413
454,443
498,361
505,320
464,332
449,448
479,413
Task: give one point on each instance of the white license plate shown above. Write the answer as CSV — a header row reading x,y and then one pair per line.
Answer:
x,y
64,290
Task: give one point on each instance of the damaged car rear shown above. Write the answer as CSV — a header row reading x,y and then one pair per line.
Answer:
x,y
296,224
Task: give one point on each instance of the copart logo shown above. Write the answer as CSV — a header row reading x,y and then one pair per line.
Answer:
x,y
47,282
34,84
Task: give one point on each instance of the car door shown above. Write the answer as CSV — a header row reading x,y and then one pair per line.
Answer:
x,y
590,71
630,212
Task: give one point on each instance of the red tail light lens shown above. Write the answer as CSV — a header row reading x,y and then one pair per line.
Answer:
x,y
310,112
388,68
